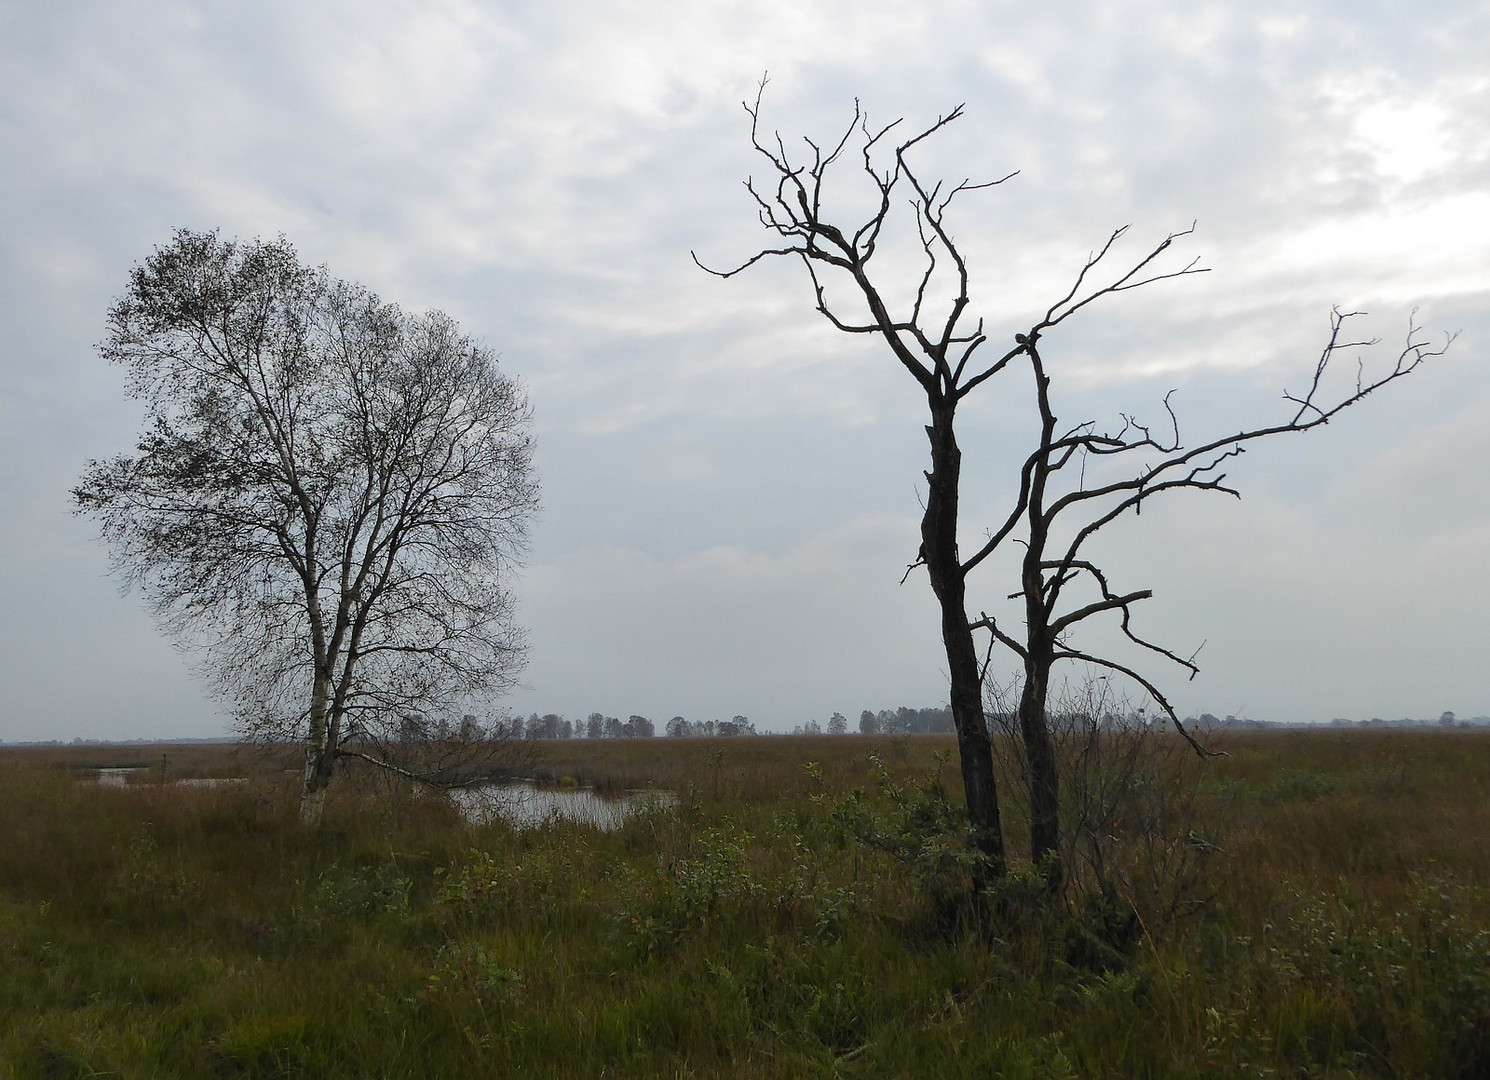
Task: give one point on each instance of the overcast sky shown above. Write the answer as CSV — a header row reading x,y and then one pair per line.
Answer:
x,y
730,486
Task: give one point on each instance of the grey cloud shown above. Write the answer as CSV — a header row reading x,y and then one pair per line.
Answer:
x,y
541,171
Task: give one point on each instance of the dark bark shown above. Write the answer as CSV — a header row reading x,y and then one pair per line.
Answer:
x,y
1044,773
1039,658
948,582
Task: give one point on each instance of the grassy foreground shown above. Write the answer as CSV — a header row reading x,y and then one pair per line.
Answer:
x,y
157,930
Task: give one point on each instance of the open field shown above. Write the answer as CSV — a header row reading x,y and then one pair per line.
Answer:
x,y
161,930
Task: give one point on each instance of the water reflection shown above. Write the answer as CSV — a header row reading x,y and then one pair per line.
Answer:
x,y
526,804
118,776
522,802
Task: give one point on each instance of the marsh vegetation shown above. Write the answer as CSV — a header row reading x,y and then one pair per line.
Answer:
x,y
780,919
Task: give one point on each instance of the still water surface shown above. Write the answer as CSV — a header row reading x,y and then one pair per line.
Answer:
x,y
522,802
119,777
526,804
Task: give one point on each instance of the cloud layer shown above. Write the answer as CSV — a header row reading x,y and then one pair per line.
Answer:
x,y
731,486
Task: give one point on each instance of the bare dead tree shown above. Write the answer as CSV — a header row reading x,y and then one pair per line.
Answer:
x,y
326,503
936,339
1062,507
937,342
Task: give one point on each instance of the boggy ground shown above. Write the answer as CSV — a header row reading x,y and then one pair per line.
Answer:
x,y
157,931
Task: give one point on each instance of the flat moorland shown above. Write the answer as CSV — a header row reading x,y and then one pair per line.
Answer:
x,y
787,916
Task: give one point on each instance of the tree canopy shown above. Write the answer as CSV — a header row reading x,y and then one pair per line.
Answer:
x,y
327,501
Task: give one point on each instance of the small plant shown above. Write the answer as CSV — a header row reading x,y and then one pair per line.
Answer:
x,y
487,887
917,824
816,782
1296,785
149,878
343,894
471,887
467,966
804,895
687,895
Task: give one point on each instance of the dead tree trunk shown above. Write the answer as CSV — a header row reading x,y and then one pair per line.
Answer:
x,y
1034,728
949,583
1044,772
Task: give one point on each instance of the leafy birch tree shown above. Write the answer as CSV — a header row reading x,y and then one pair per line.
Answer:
x,y
327,502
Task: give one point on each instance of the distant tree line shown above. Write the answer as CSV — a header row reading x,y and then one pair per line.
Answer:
x,y
1443,720
906,721
678,727
901,721
599,726
837,725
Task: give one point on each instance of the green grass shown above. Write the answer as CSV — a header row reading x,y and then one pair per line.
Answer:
x,y
157,931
